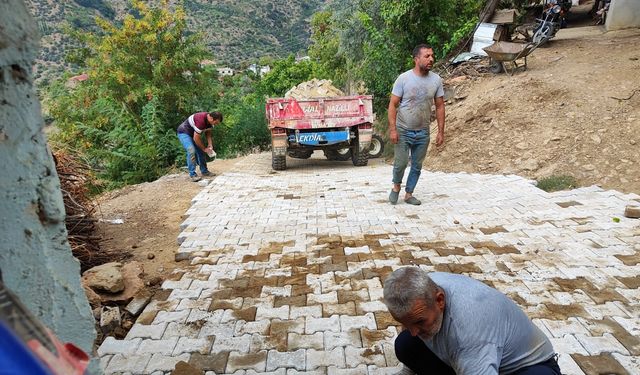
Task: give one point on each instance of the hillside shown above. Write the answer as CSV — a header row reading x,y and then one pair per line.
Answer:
x,y
237,32
575,111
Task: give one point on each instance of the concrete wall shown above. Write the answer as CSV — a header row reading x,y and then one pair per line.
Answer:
x,y
623,14
35,257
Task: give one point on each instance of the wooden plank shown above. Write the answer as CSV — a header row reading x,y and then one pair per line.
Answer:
x,y
504,16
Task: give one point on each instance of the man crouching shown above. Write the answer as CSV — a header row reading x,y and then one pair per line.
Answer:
x,y
458,325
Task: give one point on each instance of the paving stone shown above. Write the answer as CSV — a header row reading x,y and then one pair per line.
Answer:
x,y
371,356
293,359
157,346
340,339
559,328
313,325
216,362
161,362
359,370
568,344
171,316
134,363
229,344
111,345
605,343
348,323
153,331
247,361
297,341
334,357
189,345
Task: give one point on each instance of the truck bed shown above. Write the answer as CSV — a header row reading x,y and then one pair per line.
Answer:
x,y
333,112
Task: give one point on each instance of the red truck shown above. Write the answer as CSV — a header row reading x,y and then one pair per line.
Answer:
x,y
298,127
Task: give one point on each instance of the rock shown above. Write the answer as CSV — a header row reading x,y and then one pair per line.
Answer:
x,y
521,146
127,324
315,88
109,319
596,139
133,284
632,142
632,211
154,281
203,183
150,256
457,79
105,278
530,165
138,303
588,167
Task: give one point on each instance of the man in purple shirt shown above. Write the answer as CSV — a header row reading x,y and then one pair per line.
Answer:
x,y
189,134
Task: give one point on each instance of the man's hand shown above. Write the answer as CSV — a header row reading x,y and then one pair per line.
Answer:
x,y
393,136
440,139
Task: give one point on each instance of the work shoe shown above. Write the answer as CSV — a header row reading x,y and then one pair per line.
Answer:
x,y
196,178
413,200
393,196
207,174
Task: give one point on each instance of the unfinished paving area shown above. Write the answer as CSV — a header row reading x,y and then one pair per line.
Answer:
x,y
286,269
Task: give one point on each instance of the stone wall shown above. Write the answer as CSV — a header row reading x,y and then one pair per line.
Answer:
x,y
623,14
35,257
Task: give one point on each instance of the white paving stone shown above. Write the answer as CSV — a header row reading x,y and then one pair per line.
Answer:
x,y
279,218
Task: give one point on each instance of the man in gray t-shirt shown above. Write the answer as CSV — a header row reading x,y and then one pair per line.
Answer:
x,y
459,326
409,116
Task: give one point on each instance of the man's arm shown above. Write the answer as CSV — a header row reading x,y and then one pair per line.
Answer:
x,y
440,118
209,139
392,113
198,141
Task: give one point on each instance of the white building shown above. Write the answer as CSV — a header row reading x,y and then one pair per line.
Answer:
x,y
226,71
256,69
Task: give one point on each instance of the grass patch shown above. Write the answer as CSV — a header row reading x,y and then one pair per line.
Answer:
x,y
556,183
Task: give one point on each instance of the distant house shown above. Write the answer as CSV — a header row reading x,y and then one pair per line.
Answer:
x,y
302,58
257,69
226,71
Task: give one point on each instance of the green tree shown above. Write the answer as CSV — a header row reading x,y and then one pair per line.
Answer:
x,y
144,79
325,49
287,73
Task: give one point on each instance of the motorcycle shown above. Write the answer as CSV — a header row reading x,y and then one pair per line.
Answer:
x,y
553,18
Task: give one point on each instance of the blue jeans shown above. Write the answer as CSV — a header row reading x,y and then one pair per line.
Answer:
x,y
414,143
414,354
195,156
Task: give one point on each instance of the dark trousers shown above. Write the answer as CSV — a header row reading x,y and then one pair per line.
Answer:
x,y
414,354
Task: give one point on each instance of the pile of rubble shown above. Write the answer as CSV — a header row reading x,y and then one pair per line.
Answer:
x,y
315,88
117,295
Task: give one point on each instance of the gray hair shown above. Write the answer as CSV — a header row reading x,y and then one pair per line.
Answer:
x,y
405,286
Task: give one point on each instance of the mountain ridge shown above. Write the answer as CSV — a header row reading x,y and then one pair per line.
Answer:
x,y
237,33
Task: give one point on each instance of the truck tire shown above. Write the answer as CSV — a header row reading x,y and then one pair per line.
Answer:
x,y
377,147
343,154
359,158
338,155
279,162
300,154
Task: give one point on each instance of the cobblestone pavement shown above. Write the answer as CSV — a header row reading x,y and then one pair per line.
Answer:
x,y
286,268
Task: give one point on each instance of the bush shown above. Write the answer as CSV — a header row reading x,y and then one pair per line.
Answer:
x,y
556,183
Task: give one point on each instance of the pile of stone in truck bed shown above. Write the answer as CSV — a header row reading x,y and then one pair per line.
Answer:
x,y
315,88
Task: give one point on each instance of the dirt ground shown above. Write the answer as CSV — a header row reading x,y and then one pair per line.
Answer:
x,y
574,111
151,215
